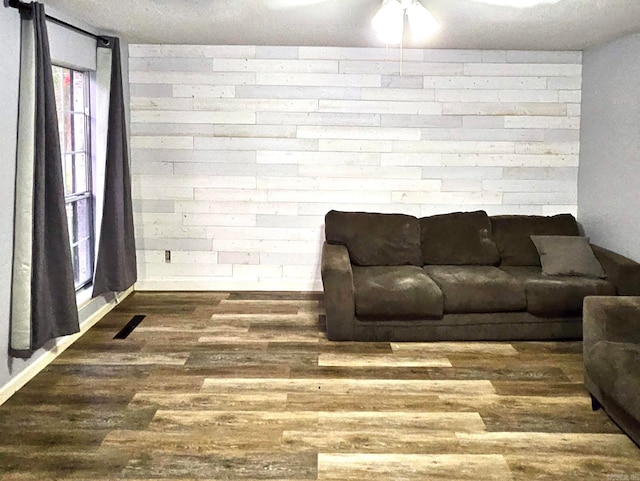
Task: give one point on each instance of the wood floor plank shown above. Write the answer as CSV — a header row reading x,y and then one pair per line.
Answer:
x,y
391,467
524,443
533,467
246,386
364,360
17,439
215,441
310,371
205,401
332,347
487,348
400,421
365,441
259,336
260,359
367,387
203,369
82,464
166,420
93,417
127,359
220,466
537,388
356,402
500,373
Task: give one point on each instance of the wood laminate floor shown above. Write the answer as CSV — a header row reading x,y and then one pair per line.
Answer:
x,y
242,386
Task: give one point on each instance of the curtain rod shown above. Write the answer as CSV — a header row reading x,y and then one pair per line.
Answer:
x,y
27,6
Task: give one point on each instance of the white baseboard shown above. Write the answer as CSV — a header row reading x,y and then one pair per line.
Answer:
x,y
28,373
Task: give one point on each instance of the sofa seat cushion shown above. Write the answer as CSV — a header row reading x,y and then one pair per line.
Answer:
x,y
395,292
512,234
458,238
376,239
468,289
557,296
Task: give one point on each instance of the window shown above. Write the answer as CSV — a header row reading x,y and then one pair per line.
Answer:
x,y
72,103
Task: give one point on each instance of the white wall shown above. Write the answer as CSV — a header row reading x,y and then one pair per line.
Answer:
x,y
238,152
609,190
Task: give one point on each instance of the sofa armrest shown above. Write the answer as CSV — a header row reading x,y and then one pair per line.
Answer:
x,y
337,279
623,272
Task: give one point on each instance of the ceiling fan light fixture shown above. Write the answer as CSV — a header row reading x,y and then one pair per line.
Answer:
x,y
421,21
388,23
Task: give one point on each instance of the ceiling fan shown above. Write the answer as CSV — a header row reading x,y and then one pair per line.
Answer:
x,y
389,22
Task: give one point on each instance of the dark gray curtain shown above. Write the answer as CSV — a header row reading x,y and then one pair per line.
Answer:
x,y
52,311
116,260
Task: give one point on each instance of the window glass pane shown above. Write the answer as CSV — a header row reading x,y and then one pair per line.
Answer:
x,y
83,268
78,124
83,214
70,221
76,174
57,83
66,89
80,235
67,171
66,133
74,133
81,177
79,220
78,92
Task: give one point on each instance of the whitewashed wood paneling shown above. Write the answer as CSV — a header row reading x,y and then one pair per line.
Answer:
x,y
238,152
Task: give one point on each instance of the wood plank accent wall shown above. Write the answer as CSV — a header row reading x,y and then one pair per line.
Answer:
x,y
239,151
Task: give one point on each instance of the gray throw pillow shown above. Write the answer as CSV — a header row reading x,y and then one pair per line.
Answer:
x,y
567,256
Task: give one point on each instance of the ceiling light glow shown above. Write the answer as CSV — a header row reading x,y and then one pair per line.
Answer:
x,y
421,21
388,23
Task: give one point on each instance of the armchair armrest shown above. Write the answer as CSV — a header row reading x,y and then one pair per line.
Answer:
x,y
611,318
337,279
623,272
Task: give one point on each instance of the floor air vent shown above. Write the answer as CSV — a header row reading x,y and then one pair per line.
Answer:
x,y
128,329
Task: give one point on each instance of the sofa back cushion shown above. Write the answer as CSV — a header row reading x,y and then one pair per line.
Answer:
x,y
512,234
376,239
459,238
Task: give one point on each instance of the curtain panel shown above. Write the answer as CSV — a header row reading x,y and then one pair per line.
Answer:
x,y
43,299
115,268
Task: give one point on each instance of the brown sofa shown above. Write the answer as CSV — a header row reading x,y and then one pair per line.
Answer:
x,y
458,276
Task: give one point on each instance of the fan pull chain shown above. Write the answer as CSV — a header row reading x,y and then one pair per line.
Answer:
x,y
401,55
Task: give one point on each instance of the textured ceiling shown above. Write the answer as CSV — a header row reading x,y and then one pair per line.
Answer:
x,y
469,24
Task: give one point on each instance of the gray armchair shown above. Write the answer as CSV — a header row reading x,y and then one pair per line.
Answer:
x,y
611,332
